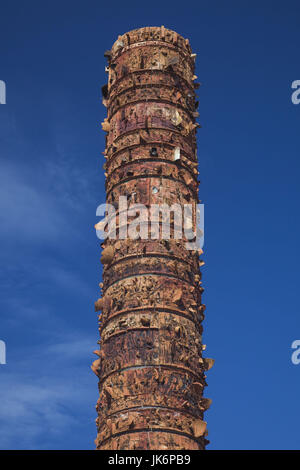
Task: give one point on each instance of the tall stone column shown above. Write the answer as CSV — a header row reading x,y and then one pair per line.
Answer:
x,y
150,365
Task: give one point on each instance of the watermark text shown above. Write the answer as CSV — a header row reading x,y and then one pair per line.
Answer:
x,y
296,94
156,222
2,352
296,354
2,92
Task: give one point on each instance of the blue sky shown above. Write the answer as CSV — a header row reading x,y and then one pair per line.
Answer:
x,y
51,181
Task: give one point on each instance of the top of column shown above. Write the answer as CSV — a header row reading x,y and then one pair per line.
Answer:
x,y
158,34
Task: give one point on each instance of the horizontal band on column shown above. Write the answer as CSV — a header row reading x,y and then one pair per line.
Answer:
x,y
128,330
151,71
145,85
189,140
132,178
141,310
154,143
166,430
150,255
168,129
154,100
141,408
185,370
150,274
155,43
156,160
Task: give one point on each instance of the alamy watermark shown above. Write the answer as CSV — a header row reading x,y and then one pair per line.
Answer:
x,y
2,352
296,94
296,354
2,92
157,222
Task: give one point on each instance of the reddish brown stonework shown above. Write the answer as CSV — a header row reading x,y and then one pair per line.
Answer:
x,y
150,366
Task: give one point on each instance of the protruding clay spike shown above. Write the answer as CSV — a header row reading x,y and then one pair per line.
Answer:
x,y
107,255
209,362
98,305
97,352
95,366
206,402
107,54
199,427
105,125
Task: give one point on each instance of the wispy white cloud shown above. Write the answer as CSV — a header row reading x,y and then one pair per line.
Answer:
x,y
42,393
44,204
47,389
